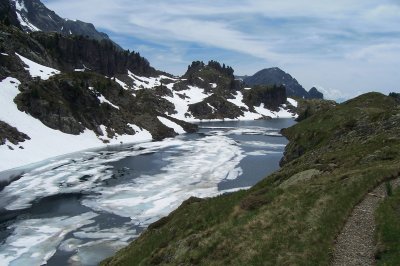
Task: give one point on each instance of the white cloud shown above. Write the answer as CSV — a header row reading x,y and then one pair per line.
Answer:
x,y
332,94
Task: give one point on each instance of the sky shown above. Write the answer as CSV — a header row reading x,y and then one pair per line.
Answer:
x,y
343,47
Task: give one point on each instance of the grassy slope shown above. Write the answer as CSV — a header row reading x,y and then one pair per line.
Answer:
x,y
294,215
388,230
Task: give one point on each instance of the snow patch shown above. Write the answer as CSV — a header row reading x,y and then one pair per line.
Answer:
x,y
20,5
25,22
192,95
122,84
177,128
37,70
292,102
144,82
102,99
212,107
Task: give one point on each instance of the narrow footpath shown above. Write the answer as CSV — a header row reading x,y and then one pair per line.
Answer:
x,y
356,243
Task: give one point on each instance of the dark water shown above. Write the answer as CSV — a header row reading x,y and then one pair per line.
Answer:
x,y
80,209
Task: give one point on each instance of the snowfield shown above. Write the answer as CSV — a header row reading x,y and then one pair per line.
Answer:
x,y
37,70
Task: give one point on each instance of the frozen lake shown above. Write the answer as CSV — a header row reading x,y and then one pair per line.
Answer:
x,y
81,208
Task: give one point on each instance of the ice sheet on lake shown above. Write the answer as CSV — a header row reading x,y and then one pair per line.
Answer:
x,y
261,144
226,131
69,176
196,171
262,153
90,242
34,241
191,168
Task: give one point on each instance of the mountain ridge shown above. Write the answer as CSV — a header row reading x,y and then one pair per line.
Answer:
x,y
276,76
34,16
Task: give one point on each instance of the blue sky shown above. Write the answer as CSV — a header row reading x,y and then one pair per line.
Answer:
x,y
345,47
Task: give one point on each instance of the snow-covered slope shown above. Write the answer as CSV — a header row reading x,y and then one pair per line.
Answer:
x,y
37,70
45,142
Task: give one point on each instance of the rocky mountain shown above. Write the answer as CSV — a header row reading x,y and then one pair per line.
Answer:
x,y
276,76
313,93
33,15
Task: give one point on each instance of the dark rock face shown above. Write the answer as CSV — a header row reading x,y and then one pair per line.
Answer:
x,y
11,134
275,76
7,14
36,13
313,93
215,107
99,56
271,96
68,105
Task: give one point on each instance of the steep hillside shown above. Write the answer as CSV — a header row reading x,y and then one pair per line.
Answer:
x,y
334,158
276,76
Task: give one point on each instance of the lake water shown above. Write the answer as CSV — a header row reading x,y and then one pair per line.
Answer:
x,y
81,208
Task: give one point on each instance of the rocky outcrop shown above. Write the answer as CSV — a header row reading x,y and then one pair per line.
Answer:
x,y
215,107
271,96
213,77
11,134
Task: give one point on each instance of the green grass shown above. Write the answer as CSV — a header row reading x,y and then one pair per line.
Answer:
x,y
291,217
388,230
